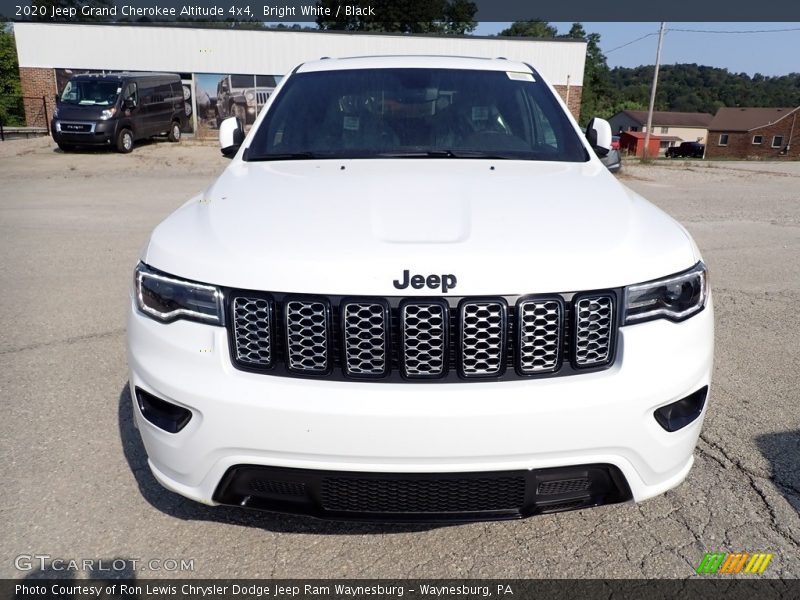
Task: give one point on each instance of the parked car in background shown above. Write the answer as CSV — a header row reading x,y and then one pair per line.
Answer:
x,y
116,109
686,150
612,160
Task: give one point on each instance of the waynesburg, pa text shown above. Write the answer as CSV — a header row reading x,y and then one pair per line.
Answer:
x,y
250,590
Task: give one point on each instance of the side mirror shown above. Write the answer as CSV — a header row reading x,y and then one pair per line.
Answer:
x,y
129,103
598,134
231,136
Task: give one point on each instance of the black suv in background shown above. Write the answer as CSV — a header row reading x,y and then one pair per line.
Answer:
x,y
686,150
116,109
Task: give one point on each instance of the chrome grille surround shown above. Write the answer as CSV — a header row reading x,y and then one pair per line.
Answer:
x,y
365,328
424,326
594,330
307,324
252,330
540,333
483,327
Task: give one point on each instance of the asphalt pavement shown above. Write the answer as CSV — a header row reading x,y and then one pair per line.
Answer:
x,y
75,478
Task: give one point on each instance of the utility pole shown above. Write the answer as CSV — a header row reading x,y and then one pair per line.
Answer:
x,y
653,94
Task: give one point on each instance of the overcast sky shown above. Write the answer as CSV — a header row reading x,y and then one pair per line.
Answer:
x,y
776,53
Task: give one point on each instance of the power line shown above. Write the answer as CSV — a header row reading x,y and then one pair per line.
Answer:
x,y
735,31
632,42
671,29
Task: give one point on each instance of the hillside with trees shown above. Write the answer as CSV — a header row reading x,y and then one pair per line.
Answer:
x,y
681,87
696,88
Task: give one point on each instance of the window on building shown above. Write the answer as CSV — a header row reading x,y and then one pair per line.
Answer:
x,y
723,139
777,141
634,129
665,130
758,139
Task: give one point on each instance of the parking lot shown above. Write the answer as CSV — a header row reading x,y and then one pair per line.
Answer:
x,y
76,481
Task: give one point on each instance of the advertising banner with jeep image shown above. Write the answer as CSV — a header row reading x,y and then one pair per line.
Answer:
x,y
220,96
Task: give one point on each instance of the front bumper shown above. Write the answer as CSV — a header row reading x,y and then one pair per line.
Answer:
x,y
102,134
239,418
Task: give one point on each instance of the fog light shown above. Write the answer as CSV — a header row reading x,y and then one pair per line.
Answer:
x,y
162,414
677,415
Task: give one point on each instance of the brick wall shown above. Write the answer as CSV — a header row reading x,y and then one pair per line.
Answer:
x,y
37,83
574,103
740,144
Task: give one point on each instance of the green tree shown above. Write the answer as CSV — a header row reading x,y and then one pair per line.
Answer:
x,y
532,28
403,16
11,111
598,97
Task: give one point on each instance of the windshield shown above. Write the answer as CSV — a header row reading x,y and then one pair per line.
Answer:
x,y
91,92
241,81
388,113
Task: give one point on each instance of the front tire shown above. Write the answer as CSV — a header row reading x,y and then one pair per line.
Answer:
x,y
125,141
174,132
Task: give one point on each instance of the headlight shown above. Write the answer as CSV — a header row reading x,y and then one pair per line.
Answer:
x,y
166,298
250,96
676,297
108,113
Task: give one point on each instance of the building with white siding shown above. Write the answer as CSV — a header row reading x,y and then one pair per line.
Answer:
x,y
216,64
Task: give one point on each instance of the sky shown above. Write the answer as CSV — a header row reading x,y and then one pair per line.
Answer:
x,y
776,53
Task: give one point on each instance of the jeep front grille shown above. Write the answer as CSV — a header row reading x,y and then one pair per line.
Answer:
x,y
594,319
540,335
483,338
252,330
424,330
422,339
365,329
307,336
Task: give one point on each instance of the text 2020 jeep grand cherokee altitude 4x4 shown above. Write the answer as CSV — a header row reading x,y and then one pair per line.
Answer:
x,y
416,293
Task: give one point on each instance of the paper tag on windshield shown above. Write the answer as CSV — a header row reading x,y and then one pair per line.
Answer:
x,y
516,75
350,123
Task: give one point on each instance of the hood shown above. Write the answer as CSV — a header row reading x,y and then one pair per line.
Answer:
x,y
354,226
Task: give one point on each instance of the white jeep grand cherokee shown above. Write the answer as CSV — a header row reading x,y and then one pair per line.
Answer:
x,y
417,294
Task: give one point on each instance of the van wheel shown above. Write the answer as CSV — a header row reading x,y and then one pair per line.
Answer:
x,y
174,132
65,147
125,141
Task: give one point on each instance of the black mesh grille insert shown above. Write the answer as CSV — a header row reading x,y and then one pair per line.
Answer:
x,y
422,495
564,486
277,488
410,497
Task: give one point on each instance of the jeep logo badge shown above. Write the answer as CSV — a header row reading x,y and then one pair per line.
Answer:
x,y
447,282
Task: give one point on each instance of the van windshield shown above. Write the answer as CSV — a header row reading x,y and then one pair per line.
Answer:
x,y
91,92
409,113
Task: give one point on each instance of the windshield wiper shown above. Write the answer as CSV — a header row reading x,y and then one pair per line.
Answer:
x,y
444,153
284,156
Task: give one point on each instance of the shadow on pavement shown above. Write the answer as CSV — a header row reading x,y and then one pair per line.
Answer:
x,y
182,508
782,450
